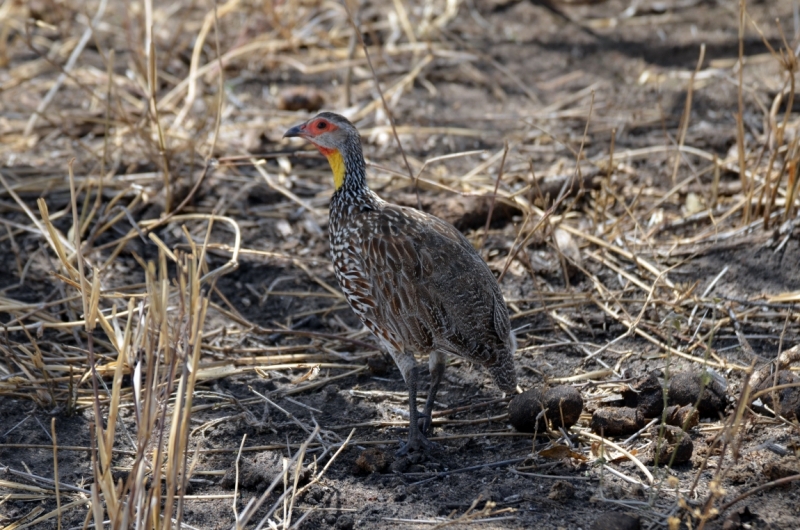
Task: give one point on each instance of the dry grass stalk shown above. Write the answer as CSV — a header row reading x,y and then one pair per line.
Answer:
x,y
687,113
170,343
740,147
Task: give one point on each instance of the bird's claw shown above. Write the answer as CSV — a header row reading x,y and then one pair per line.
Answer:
x,y
417,443
425,423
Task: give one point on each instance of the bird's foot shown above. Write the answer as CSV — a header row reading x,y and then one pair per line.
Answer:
x,y
425,424
416,442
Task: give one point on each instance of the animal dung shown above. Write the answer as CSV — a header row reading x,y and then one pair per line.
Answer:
x,y
671,446
685,389
559,406
788,399
616,421
646,394
372,460
684,417
690,396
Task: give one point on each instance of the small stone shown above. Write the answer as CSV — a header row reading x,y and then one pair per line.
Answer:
x,y
616,421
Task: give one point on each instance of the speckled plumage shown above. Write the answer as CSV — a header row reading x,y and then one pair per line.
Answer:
x,y
414,280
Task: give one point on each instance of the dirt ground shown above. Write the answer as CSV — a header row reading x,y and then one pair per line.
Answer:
x,y
606,77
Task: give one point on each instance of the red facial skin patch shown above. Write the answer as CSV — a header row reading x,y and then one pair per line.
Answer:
x,y
312,130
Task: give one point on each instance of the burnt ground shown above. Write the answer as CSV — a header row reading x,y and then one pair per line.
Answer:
x,y
499,71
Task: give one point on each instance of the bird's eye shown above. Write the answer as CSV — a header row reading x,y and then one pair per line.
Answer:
x,y
321,125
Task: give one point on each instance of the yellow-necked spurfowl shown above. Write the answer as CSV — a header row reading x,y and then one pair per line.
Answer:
x,y
413,279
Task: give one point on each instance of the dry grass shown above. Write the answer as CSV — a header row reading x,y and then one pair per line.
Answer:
x,y
113,135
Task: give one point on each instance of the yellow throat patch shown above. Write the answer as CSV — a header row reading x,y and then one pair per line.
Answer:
x,y
336,161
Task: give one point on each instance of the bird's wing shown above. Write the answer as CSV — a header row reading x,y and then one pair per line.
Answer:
x,y
431,288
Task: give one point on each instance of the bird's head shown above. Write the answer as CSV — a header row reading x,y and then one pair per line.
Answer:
x,y
336,138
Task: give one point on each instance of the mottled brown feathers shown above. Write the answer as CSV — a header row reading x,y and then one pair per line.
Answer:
x,y
431,289
428,287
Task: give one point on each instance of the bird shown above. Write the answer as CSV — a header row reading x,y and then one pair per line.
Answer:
x,y
413,279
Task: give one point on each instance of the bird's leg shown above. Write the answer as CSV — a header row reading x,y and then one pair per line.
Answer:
x,y
436,364
416,440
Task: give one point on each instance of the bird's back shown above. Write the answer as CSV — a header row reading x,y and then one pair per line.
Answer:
x,y
419,285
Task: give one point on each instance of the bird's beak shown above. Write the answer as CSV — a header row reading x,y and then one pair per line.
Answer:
x,y
296,131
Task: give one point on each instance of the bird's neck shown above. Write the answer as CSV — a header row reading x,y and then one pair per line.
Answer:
x,y
349,169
